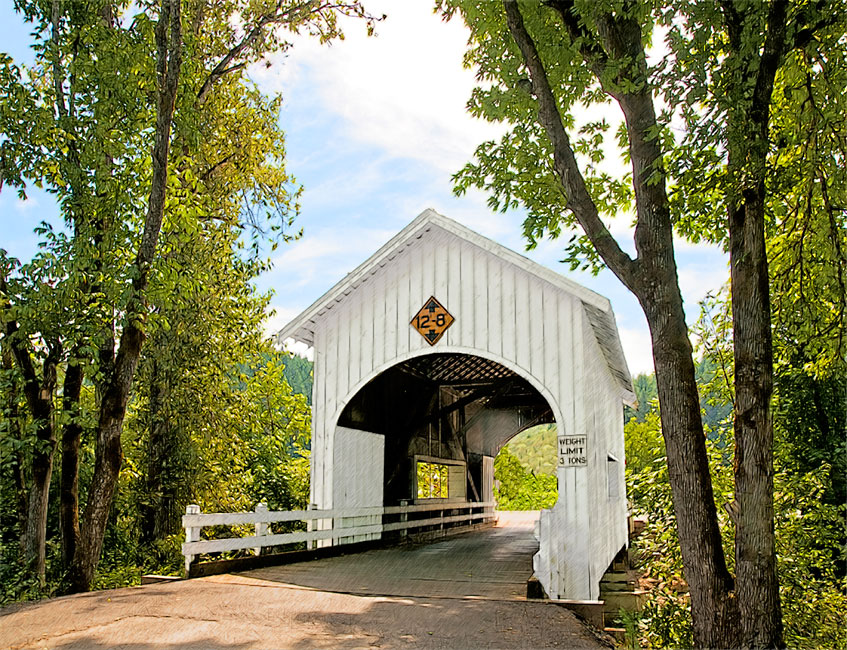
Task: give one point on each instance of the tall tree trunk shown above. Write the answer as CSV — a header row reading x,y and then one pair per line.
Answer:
x,y
652,277
755,553
714,607
747,144
41,471
108,451
156,513
69,486
39,400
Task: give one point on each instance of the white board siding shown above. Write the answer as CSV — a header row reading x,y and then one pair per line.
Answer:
x,y
504,313
487,488
536,330
496,329
481,304
457,482
380,317
454,288
358,460
523,343
392,306
465,314
508,319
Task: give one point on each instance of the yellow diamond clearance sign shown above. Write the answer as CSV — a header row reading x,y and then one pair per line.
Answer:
x,y
432,320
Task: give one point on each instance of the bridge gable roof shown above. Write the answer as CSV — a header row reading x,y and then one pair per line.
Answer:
x,y
597,308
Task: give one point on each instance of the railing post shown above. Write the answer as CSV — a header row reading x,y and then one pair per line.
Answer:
x,y
261,526
404,517
192,534
311,525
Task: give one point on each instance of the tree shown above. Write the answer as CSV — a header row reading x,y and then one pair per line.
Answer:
x,y
539,62
210,327
126,131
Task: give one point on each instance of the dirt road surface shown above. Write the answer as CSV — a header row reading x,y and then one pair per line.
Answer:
x,y
461,592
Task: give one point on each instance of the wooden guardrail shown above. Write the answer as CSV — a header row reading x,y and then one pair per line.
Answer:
x,y
338,525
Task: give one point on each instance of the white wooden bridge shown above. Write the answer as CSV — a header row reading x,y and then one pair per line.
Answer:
x,y
429,357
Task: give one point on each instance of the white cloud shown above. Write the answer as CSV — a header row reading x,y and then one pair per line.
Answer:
x,y
26,205
327,254
696,280
638,349
386,124
472,211
403,90
278,317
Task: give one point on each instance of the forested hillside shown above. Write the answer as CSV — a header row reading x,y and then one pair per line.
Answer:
x,y
298,374
536,449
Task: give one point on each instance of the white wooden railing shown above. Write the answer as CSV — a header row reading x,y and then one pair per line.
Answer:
x,y
338,525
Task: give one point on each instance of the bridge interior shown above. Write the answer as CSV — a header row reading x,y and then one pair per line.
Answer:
x,y
447,412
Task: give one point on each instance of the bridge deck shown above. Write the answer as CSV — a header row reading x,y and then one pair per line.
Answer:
x,y
464,592
492,563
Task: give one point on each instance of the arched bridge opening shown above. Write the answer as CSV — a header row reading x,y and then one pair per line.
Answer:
x,y
443,418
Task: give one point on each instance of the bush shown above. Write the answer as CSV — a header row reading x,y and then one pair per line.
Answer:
x,y
517,489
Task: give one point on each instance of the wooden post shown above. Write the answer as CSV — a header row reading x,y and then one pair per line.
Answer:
x,y
261,526
311,525
404,517
192,534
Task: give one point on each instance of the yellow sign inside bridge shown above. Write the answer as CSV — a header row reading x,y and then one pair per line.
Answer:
x,y
432,320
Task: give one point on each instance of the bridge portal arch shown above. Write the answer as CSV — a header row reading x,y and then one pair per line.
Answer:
x,y
441,319
458,350
450,410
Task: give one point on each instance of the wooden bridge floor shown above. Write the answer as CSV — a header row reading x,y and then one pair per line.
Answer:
x,y
464,592
490,563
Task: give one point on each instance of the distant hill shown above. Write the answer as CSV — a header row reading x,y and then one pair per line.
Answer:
x,y
716,408
298,374
535,448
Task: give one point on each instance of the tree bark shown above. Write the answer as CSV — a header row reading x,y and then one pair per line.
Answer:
x,y
157,514
108,451
747,144
69,482
714,607
41,472
755,553
39,400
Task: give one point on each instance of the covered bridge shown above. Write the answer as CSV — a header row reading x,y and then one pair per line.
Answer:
x,y
435,352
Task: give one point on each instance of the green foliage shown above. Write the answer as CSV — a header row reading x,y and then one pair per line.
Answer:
x,y
810,416
753,130
645,447
17,582
518,170
810,537
432,481
810,553
646,397
515,488
298,374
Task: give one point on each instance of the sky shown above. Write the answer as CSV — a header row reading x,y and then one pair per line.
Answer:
x,y
375,127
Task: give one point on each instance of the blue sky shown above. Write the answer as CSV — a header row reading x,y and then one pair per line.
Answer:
x,y
375,128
